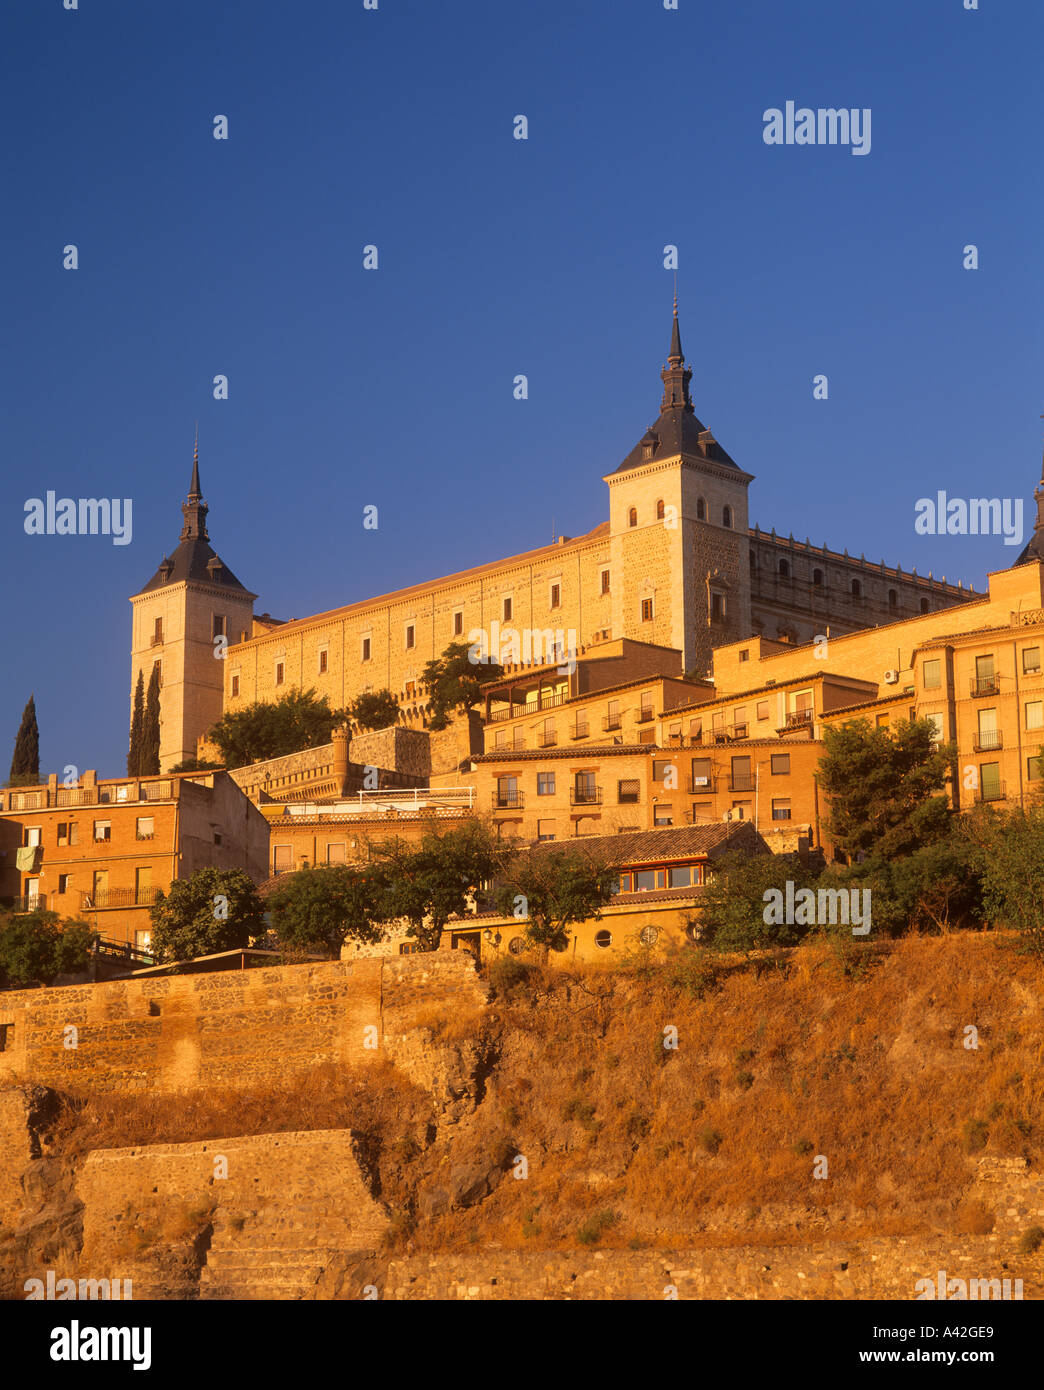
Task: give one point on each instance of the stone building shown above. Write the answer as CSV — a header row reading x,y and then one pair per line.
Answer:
x,y
675,565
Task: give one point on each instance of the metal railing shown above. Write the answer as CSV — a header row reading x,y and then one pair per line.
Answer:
x,y
985,685
103,898
519,710
585,796
797,719
611,722
741,782
579,731
993,792
508,801
988,740
547,740
644,716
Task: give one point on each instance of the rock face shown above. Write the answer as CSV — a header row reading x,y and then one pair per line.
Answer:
x,y
268,1216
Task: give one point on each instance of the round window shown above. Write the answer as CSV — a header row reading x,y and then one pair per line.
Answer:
x,y
603,939
649,936
517,945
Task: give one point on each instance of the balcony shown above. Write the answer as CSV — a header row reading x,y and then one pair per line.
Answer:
x,y
797,719
993,791
988,740
516,711
985,685
585,796
104,898
644,716
611,722
741,782
508,801
547,740
738,731
19,905
579,731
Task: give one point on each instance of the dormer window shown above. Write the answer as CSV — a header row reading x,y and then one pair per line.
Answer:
x,y
649,443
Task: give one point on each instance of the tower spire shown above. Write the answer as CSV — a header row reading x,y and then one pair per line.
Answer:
x,y
194,510
676,375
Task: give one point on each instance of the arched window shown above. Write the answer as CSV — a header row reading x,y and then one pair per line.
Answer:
x,y
726,516
632,517
784,569
753,563
701,509
893,598
925,606
817,578
857,589
659,509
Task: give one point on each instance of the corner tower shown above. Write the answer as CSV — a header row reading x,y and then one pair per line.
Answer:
x,y
679,547
190,603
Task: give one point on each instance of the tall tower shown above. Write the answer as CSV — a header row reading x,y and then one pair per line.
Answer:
x,y
679,541
178,620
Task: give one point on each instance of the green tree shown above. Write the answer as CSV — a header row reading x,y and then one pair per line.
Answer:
x,y
318,909
551,888
885,787
150,732
25,764
375,709
454,682
214,910
300,719
137,728
197,765
37,947
1008,851
739,909
430,882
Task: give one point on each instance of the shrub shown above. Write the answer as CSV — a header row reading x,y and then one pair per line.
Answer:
x,y
744,1080
802,1147
638,1125
711,1139
975,1135
510,976
592,1230
693,972
1031,1240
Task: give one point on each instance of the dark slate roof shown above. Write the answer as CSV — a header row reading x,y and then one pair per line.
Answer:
x,y
189,562
677,431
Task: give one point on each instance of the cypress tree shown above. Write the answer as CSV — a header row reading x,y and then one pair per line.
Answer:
x,y
137,728
25,764
150,738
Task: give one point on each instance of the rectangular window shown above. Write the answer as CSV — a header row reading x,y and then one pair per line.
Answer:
x,y
6,1036
580,727
742,781
990,782
628,791
780,764
663,815
545,784
335,852
701,811
881,721
157,666
507,792
647,610
717,607
556,596
646,709
143,940
937,722
585,790
661,769
696,730
744,655
34,835
282,858
411,636
324,658
279,673
157,632
763,709
507,610
458,624
218,625
411,689
102,830
1034,716
605,581
647,736
500,738
235,686
143,884
63,832
1031,661
365,649
63,883
931,674
680,877
99,886
548,734
1033,769
612,719
144,828
781,808
701,772
545,830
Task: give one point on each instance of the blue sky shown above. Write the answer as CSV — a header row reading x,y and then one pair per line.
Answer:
x,y
497,256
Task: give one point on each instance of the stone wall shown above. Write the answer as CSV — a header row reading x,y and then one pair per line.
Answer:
x,y
262,1216
885,1268
237,1029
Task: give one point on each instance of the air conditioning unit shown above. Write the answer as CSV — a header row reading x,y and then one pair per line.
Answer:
x,y
737,813
891,677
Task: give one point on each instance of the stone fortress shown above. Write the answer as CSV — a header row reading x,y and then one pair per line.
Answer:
x,y
676,565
